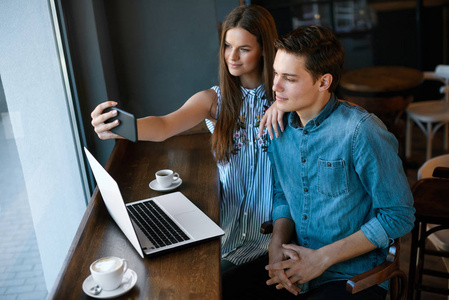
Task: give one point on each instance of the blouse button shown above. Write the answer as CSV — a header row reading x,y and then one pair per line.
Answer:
x,y
329,164
303,160
306,132
306,190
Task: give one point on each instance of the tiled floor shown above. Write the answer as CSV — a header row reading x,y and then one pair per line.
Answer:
x,y
21,275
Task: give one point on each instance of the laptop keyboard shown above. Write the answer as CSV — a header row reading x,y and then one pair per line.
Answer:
x,y
155,224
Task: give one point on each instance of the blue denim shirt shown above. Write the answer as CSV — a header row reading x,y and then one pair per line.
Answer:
x,y
337,175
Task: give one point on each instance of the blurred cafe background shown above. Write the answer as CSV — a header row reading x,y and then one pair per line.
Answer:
x,y
60,58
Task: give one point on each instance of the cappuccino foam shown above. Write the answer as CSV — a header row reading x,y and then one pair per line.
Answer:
x,y
107,264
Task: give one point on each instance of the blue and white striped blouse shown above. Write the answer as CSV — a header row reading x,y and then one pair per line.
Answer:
x,y
246,192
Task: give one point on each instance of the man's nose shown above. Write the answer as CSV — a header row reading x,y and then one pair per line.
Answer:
x,y
276,86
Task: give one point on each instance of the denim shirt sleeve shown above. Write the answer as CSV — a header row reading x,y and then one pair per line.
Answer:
x,y
280,205
382,174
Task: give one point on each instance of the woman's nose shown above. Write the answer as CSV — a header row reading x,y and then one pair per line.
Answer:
x,y
234,55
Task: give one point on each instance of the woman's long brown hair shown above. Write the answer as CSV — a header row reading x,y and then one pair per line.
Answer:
x,y
259,22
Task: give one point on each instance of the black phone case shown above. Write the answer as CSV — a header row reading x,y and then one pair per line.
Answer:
x,y
127,127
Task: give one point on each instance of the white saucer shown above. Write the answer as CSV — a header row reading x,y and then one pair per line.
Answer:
x,y
155,186
128,282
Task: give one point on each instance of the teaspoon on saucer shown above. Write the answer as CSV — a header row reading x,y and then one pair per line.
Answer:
x,y
95,290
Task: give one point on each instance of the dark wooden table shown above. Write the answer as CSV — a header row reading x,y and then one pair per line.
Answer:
x,y
189,273
381,79
385,91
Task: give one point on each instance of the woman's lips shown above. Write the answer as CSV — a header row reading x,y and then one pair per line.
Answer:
x,y
234,66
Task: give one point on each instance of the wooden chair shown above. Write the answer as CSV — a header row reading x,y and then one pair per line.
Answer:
x,y
432,223
388,270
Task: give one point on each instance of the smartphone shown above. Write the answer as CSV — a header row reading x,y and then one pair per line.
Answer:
x,y
127,127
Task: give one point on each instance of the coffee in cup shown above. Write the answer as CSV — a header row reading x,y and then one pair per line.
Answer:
x,y
108,272
165,178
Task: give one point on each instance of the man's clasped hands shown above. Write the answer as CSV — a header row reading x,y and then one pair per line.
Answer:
x,y
292,265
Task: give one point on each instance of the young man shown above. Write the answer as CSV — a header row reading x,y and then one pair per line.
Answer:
x,y
339,186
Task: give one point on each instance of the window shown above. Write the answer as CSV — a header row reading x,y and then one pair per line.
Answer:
x,y
42,182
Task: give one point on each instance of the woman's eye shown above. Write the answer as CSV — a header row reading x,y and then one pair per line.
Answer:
x,y
244,49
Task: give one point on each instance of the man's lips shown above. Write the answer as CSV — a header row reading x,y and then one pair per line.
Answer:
x,y
279,98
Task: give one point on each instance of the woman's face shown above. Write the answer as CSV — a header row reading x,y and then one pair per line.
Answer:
x,y
242,53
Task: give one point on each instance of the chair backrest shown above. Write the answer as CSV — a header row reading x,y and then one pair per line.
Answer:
x,y
443,71
445,90
441,74
426,170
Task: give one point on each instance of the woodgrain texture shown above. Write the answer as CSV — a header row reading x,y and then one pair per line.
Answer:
x,y
189,273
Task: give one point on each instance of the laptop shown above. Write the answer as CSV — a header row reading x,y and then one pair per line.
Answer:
x,y
154,225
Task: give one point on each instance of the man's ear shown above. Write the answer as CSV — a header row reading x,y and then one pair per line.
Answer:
x,y
325,81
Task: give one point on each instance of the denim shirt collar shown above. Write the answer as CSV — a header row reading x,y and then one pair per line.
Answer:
x,y
331,106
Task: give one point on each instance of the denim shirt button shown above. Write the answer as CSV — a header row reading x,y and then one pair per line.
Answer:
x,y
303,160
306,132
306,190
328,164
304,217
305,243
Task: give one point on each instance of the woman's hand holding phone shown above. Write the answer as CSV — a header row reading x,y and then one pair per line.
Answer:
x,y
110,122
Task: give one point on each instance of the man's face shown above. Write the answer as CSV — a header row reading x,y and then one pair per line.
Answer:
x,y
294,86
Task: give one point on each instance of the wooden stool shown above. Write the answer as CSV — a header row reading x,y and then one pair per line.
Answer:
x,y
430,115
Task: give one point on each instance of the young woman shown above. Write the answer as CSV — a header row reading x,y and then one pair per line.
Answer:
x,y
233,111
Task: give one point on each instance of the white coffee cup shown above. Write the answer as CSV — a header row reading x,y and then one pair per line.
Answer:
x,y
165,178
108,272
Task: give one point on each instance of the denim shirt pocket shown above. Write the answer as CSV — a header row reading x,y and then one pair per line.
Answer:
x,y
332,177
